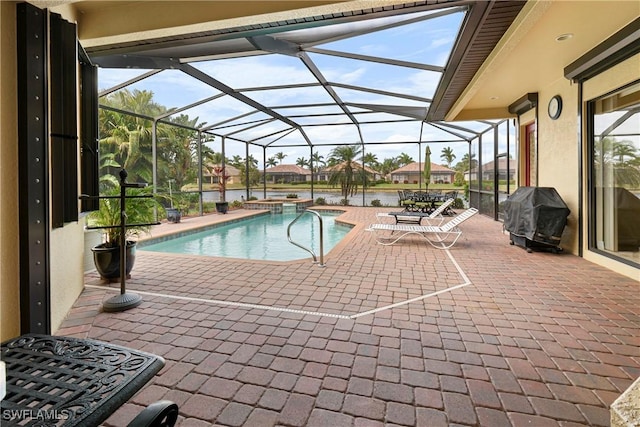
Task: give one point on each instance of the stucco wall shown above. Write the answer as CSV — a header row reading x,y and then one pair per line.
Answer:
x,y
9,274
558,153
608,81
67,270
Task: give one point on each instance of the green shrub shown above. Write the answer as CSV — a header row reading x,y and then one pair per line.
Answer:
x,y
236,204
251,198
376,203
292,196
209,207
344,202
320,201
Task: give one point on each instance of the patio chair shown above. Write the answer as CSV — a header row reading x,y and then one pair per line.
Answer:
x,y
162,413
439,236
407,199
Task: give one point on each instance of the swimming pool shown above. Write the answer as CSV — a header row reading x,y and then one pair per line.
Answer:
x,y
260,238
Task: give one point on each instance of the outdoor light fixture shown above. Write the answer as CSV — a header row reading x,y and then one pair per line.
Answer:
x,y
564,37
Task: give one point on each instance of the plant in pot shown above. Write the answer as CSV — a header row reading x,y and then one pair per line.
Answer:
x,y
222,206
106,256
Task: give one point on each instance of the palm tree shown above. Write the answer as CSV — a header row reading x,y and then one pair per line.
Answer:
x,y
280,156
346,172
216,159
302,162
271,162
466,163
128,137
371,160
253,161
178,151
254,173
404,159
318,160
448,156
389,165
620,157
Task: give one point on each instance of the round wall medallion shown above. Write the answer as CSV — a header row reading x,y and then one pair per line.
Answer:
x,y
555,107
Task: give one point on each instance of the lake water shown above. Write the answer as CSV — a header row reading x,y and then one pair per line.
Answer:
x,y
387,198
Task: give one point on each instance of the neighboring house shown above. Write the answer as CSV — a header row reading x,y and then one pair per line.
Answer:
x,y
488,170
209,176
325,173
410,174
286,174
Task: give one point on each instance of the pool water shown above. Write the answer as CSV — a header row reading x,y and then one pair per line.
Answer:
x,y
259,238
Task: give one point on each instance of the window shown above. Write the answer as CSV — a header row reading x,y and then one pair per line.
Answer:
x,y
614,135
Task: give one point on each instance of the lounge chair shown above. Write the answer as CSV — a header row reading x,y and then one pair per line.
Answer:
x,y
417,217
439,236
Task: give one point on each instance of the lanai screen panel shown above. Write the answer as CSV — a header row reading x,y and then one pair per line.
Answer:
x,y
257,71
424,37
391,132
170,88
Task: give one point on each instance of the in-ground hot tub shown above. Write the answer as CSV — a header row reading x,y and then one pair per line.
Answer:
x,y
276,205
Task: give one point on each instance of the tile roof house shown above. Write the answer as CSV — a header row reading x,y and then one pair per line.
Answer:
x,y
410,174
488,169
325,173
287,173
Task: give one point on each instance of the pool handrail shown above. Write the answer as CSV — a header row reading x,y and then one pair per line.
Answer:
x,y
315,259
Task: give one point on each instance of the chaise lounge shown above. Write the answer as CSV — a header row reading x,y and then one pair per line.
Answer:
x,y
441,237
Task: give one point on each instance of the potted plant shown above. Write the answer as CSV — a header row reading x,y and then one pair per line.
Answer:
x,y
106,256
222,206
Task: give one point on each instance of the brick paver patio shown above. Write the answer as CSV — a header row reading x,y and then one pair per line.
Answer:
x,y
483,334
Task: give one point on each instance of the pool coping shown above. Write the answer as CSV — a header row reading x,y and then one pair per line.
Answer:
x,y
196,228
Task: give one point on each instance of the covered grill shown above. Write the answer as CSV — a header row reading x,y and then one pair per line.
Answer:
x,y
535,218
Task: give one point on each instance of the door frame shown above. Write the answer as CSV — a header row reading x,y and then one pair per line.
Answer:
x,y
530,155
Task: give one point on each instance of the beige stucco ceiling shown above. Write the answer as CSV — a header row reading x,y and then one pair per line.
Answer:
x,y
130,19
527,59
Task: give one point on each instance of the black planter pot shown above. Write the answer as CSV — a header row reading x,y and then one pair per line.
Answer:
x,y
173,215
107,260
222,207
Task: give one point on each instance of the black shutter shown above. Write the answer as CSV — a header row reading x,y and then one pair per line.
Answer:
x,y
63,128
89,168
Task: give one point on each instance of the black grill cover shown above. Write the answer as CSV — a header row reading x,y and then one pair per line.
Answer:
x,y
537,213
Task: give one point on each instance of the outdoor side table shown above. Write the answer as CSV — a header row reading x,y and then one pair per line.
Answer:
x,y
408,217
62,381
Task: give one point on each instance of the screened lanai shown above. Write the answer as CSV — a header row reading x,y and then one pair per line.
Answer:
x,y
382,80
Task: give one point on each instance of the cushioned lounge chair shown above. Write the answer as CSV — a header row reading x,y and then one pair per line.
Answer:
x,y
439,236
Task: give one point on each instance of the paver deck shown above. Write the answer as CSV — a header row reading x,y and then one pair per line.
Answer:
x,y
482,334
